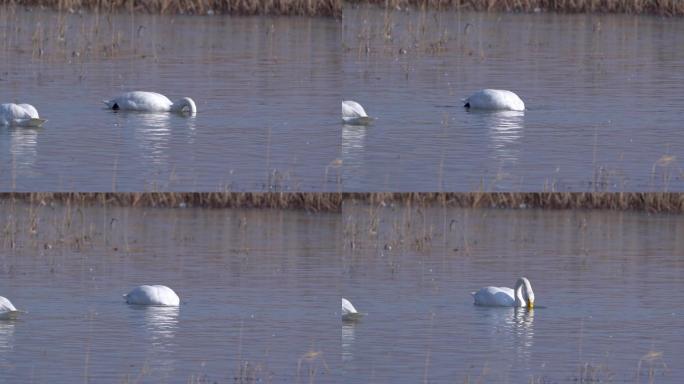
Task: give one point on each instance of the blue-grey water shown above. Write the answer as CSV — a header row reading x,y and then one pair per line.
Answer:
x,y
258,293
606,289
603,94
266,90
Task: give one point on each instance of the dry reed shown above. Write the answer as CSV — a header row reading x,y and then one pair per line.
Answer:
x,y
657,7
314,202
329,8
664,202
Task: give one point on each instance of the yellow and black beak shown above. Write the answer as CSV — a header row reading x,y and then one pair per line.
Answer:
x,y
530,305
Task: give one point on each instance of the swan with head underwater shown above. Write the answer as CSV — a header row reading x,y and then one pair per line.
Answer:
x,y
160,295
141,101
20,115
354,114
521,296
7,309
349,313
494,100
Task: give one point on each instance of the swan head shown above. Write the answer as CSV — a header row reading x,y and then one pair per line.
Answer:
x,y
185,105
524,295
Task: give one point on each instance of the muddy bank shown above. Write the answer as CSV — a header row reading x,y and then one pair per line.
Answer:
x,y
657,7
328,8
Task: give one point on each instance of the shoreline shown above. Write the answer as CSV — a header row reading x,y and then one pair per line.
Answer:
x,y
652,202
643,7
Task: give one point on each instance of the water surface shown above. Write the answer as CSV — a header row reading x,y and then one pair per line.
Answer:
x,y
603,93
605,283
265,87
257,290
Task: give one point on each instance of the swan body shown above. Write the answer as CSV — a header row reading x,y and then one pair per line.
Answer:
x,y
141,101
7,309
20,115
152,295
521,296
495,100
348,311
353,113
347,307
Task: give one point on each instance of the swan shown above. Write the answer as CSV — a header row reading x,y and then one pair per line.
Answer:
x,y
353,113
150,102
20,115
348,310
495,99
521,296
152,295
7,309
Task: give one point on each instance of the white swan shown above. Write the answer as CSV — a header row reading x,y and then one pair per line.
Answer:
x,y
495,99
152,295
522,296
7,309
348,310
353,113
150,102
20,115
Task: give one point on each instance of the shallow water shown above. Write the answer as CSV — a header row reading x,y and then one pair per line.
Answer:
x,y
603,96
266,90
606,289
257,290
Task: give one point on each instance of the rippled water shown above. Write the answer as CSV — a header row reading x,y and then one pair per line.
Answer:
x,y
606,287
266,89
603,94
257,291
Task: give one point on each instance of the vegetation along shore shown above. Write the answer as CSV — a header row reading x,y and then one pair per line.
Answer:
x,y
327,8
663,202
656,7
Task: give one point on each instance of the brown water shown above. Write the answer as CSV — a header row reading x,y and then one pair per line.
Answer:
x,y
266,89
606,285
259,293
603,96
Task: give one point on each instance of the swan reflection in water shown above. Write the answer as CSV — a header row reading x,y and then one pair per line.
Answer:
x,y
348,338
159,326
152,132
6,343
505,129
511,327
23,148
353,150
505,132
